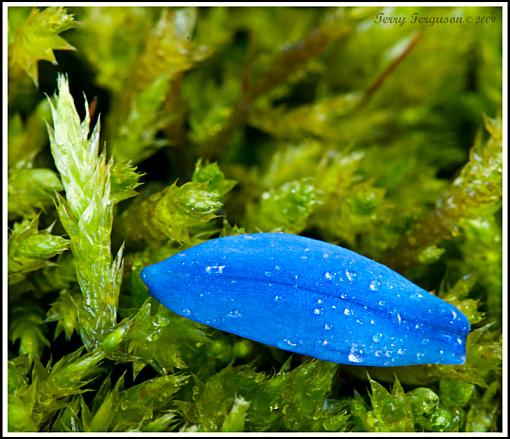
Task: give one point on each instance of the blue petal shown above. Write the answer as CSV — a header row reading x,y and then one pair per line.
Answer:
x,y
310,297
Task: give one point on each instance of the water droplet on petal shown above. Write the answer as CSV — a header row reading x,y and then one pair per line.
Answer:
x,y
375,285
215,269
355,354
351,275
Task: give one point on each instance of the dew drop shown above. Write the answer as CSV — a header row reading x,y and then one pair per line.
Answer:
x,y
328,275
325,255
401,351
347,312
317,311
215,269
328,326
185,312
375,285
304,258
355,354
234,314
351,275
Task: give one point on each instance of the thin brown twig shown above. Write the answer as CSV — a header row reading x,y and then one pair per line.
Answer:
x,y
379,81
286,64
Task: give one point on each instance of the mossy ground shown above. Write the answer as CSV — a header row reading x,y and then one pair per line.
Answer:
x,y
167,126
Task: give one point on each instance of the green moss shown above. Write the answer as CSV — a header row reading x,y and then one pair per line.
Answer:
x,y
384,139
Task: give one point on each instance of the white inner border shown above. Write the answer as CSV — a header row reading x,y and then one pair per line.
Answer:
x,y
503,5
